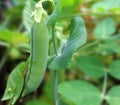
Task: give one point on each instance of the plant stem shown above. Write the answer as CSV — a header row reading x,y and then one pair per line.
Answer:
x,y
89,45
56,87
55,72
104,85
4,58
90,14
53,38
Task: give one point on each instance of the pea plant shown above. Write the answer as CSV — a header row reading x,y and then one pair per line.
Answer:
x,y
57,46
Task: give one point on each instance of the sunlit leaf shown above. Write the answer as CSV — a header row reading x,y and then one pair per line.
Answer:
x,y
13,37
14,84
107,6
64,8
80,92
36,102
105,29
113,96
27,14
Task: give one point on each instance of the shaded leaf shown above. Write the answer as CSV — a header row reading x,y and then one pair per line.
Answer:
x,y
76,39
110,47
80,92
114,69
91,66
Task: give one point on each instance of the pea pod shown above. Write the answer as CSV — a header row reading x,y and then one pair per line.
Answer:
x,y
39,55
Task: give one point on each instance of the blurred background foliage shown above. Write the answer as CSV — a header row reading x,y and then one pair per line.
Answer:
x,y
101,52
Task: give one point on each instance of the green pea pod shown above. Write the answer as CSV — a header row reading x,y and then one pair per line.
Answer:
x,y
39,56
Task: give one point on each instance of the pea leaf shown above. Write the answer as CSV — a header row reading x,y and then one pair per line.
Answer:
x,y
63,9
91,66
80,92
18,2
76,39
107,6
105,29
14,84
27,14
36,102
114,69
113,96
13,37
66,7
110,47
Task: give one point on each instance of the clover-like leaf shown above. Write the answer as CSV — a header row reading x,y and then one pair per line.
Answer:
x,y
91,66
113,96
80,92
105,29
114,69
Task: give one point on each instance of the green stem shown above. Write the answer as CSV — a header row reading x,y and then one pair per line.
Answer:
x,y
104,85
90,14
56,87
53,38
89,45
4,59
55,72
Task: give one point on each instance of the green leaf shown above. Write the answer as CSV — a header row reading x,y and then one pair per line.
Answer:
x,y
13,37
114,69
14,84
36,102
67,7
18,2
76,39
110,47
91,66
105,29
106,6
113,96
80,93
64,8
27,14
